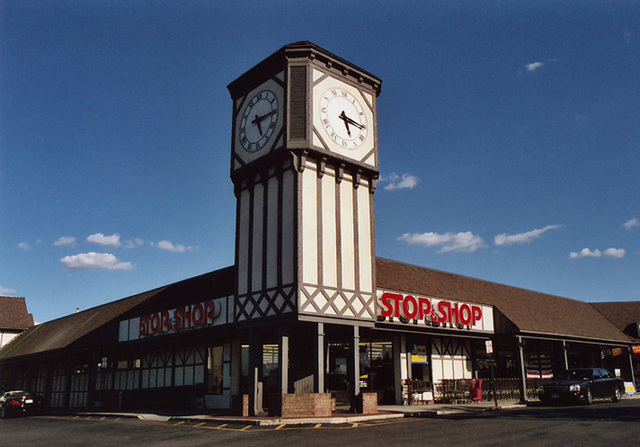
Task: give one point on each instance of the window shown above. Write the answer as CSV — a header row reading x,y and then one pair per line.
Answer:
x,y
189,368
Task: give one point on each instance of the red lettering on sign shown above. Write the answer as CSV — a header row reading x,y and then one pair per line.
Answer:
x,y
424,307
155,323
443,308
407,308
166,321
178,314
186,317
477,314
465,315
454,313
144,325
210,310
410,314
389,307
197,314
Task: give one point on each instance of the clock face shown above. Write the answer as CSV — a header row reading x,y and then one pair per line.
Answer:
x,y
258,121
343,118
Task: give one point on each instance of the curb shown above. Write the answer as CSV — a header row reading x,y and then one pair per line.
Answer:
x,y
262,422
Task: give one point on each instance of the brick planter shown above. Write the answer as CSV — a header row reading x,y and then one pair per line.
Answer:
x,y
306,405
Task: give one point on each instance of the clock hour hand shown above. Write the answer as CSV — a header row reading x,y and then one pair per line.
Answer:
x,y
258,119
343,116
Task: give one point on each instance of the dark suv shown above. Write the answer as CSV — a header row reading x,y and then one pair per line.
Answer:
x,y
582,385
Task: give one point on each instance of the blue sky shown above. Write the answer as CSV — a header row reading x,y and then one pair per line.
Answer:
x,y
508,136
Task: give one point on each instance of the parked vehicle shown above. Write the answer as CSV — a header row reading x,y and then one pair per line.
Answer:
x,y
583,385
19,403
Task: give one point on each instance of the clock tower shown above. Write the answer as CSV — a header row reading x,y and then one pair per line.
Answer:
x,y
304,166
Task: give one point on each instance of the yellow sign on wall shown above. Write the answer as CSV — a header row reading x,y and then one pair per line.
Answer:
x,y
419,354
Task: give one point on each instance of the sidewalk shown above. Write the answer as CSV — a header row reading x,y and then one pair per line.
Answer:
x,y
447,409
385,412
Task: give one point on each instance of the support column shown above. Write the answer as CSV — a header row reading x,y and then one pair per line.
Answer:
x,y
522,368
633,377
255,366
356,360
283,351
92,394
405,355
236,366
68,377
397,368
565,356
354,370
320,361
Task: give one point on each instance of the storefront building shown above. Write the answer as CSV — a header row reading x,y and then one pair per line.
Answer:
x,y
308,310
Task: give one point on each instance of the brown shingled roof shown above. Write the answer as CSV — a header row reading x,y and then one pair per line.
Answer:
x,y
621,314
531,312
60,333
14,314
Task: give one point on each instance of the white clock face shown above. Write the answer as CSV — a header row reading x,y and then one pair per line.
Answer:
x,y
343,118
258,121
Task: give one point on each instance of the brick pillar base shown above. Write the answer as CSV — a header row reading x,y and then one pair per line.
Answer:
x,y
367,403
240,405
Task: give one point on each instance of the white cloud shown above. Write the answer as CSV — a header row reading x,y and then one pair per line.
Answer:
x,y
101,239
631,224
615,252
522,238
135,243
465,242
533,66
406,181
609,252
5,291
169,246
24,246
64,240
95,261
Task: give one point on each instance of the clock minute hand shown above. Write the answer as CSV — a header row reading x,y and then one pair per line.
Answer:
x,y
343,116
355,123
261,118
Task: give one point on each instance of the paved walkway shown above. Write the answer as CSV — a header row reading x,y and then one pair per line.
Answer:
x,y
385,412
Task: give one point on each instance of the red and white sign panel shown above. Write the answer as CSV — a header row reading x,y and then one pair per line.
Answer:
x,y
192,316
401,308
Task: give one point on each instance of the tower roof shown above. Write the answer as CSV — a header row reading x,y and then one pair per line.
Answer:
x,y
13,313
298,50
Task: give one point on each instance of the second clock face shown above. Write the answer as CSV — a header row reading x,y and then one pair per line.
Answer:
x,y
258,121
343,118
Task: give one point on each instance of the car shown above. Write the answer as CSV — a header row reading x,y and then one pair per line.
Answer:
x,y
19,403
582,385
